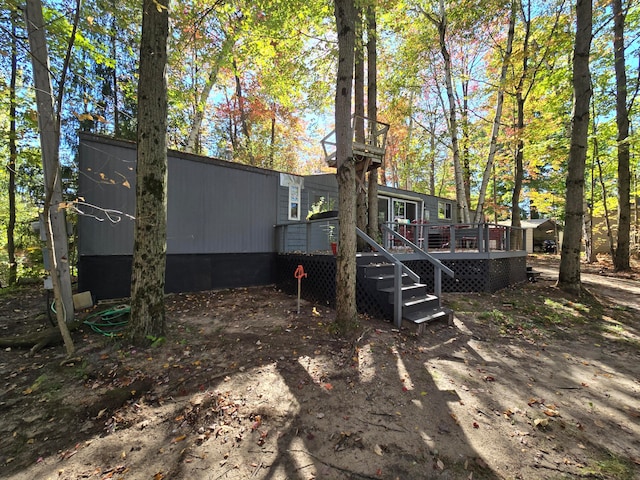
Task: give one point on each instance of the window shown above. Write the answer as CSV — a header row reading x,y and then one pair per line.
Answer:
x,y
404,209
294,202
444,210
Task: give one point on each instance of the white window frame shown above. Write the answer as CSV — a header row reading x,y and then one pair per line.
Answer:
x,y
294,202
444,210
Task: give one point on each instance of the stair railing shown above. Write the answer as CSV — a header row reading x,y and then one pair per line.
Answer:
x,y
398,268
438,266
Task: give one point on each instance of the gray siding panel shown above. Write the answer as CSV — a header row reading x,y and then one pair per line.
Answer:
x,y
212,206
106,181
219,210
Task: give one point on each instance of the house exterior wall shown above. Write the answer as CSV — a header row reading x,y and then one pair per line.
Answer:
x,y
220,219
225,221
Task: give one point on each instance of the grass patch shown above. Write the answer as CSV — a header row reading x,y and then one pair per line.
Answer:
x,y
612,467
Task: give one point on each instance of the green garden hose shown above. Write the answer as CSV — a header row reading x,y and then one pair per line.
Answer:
x,y
109,322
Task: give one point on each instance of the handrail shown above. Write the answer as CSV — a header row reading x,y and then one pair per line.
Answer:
x,y
398,266
387,254
438,266
434,261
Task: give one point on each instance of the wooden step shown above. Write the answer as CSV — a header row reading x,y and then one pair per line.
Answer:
x,y
420,304
387,281
423,318
407,291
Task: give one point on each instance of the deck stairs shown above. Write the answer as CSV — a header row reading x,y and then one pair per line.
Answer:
x,y
418,306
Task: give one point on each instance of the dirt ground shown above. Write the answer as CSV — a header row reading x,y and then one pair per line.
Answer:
x,y
527,384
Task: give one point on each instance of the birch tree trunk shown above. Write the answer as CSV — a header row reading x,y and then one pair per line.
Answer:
x,y
150,233
346,313
569,274
497,118
54,219
194,133
461,197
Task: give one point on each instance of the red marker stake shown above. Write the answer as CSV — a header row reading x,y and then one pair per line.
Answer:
x,y
299,273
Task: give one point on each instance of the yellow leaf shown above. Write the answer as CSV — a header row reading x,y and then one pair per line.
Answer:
x,y
90,20
541,422
159,6
126,184
178,439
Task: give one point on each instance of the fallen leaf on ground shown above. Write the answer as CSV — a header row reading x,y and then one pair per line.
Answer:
x,y
541,422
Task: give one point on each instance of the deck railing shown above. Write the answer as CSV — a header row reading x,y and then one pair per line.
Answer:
x,y
316,236
312,236
456,237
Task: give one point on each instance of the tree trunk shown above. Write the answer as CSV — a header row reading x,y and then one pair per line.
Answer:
x,y
150,244
346,313
272,138
114,70
590,252
225,49
441,24
54,219
516,236
244,120
372,112
13,154
587,233
361,190
466,165
493,144
569,274
621,259
607,214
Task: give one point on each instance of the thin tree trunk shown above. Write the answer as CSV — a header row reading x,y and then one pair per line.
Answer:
x,y
621,259
54,219
13,154
346,313
114,70
569,273
150,232
361,190
607,214
587,233
590,252
493,144
272,137
244,122
516,237
372,112
196,126
441,25
466,166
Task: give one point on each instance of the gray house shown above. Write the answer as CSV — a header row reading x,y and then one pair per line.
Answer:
x,y
223,218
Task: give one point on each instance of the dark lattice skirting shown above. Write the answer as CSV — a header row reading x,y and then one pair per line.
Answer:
x,y
472,275
476,274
